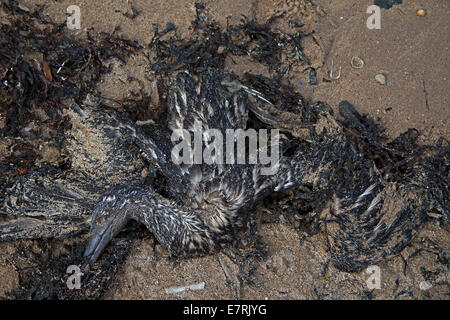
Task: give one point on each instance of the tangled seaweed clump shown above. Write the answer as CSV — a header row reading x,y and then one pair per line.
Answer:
x,y
43,70
209,45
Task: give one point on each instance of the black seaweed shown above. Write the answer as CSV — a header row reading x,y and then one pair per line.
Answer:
x,y
387,4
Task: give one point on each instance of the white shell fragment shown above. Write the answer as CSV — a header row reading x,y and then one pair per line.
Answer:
x,y
357,62
196,286
381,79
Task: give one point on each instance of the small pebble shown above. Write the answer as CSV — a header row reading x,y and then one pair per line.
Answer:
x,y
381,79
421,12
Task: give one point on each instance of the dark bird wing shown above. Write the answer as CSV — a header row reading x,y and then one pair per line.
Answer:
x,y
366,218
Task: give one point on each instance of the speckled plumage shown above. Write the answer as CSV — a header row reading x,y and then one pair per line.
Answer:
x,y
215,201
367,216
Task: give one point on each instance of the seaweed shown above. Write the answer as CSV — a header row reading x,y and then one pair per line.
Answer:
x,y
387,4
42,269
42,66
209,45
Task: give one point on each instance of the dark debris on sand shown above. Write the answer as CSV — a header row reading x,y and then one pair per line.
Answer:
x,y
41,67
209,45
387,4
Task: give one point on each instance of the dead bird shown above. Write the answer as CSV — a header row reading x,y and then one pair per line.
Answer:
x,y
367,213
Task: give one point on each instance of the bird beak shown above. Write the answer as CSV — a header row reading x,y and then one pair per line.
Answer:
x,y
97,243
